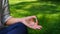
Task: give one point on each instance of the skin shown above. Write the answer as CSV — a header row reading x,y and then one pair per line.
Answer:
x,y
28,21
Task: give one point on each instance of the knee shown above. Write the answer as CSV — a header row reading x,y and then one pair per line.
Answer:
x,y
18,27
19,24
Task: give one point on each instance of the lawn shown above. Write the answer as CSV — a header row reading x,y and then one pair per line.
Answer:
x,y
47,12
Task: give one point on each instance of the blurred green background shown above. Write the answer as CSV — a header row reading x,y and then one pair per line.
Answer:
x,y
47,12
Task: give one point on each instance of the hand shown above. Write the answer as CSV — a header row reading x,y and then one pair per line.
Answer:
x,y
29,22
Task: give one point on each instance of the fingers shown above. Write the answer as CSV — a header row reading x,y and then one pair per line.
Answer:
x,y
34,18
38,27
30,17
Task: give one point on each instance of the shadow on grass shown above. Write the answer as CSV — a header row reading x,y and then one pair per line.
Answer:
x,y
50,25
53,1
48,9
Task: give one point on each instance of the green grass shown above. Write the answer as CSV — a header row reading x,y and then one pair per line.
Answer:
x,y
47,12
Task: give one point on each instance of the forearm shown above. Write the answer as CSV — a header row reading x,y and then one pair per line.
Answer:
x,y
13,20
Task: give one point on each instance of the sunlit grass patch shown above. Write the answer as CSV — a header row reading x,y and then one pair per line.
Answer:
x,y
18,1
